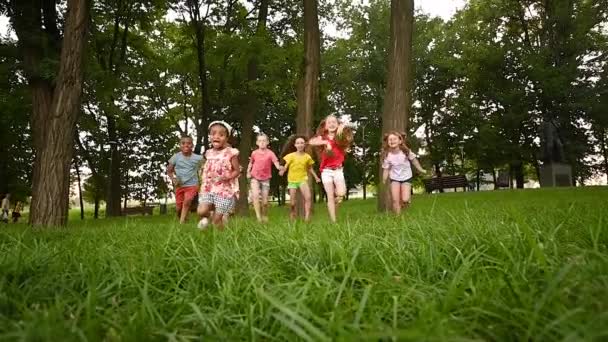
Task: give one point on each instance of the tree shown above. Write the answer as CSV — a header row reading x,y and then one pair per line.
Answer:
x,y
250,110
308,86
398,98
55,97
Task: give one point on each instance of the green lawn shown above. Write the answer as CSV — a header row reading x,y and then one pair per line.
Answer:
x,y
508,265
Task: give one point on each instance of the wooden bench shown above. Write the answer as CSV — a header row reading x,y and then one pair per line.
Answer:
x,y
446,182
137,210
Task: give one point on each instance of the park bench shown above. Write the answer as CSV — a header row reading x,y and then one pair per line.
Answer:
x,y
445,182
137,210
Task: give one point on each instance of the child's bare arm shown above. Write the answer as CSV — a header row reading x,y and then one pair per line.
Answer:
x,y
249,167
236,168
171,170
314,174
385,173
283,169
418,167
317,141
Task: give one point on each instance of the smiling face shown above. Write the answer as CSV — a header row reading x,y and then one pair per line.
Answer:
x,y
393,141
185,145
262,142
300,144
331,124
218,135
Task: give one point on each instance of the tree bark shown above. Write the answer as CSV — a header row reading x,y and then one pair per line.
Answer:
x,y
55,105
250,111
518,171
198,26
398,96
114,192
308,86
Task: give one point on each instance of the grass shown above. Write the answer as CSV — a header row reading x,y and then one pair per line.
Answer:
x,y
509,265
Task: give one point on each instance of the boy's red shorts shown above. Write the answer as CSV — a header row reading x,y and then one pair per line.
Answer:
x,y
185,193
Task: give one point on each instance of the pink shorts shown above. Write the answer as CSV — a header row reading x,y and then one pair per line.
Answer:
x,y
186,193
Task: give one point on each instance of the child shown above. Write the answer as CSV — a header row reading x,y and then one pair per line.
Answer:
x,y
183,171
221,172
17,211
6,204
299,164
259,172
333,140
397,160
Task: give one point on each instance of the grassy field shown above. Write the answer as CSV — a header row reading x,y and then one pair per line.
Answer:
x,y
508,265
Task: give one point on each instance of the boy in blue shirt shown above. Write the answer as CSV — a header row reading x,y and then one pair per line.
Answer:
x,y
183,171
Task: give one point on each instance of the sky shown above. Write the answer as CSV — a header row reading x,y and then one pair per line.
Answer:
x,y
441,8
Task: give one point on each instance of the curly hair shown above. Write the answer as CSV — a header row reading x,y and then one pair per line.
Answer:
x,y
403,146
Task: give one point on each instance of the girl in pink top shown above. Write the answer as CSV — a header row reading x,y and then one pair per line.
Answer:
x,y
259,172
220,174
397,161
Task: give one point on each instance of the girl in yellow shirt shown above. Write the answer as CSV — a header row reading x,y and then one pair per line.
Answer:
x,y
298,164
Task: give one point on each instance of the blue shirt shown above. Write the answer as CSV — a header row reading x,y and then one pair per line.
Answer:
x,y
186,168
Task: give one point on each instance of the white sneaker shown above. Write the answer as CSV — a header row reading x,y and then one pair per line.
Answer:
x,y
203,223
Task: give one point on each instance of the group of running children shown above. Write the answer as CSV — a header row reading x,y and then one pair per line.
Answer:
x,y
214,177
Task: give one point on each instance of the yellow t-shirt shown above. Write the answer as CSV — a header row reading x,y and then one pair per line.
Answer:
x,y
298,165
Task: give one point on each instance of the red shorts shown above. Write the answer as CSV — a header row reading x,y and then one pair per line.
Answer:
x,y
186,193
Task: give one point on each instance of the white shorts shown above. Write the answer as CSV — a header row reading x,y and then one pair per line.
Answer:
x,y
333,176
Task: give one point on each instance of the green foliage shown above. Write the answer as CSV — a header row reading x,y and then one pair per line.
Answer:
x,y
509,265
16,153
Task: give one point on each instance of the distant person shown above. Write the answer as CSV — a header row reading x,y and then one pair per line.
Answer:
x,y
17,211
183,171
259,171
397,167
6,204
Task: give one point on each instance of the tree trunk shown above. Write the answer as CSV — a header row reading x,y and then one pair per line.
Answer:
x,y
604,150
250,111
308,86
96,210
79,189
198,25
478,179
113,195
398,97
518,171
494,179
55,108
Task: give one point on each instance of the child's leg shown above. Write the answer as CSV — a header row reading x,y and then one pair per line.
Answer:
x,y
204,210
339,185
396,197
255,193
293,202
265,190
223,207
218,220
307,200
328,184
179,202
406,193
189,194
